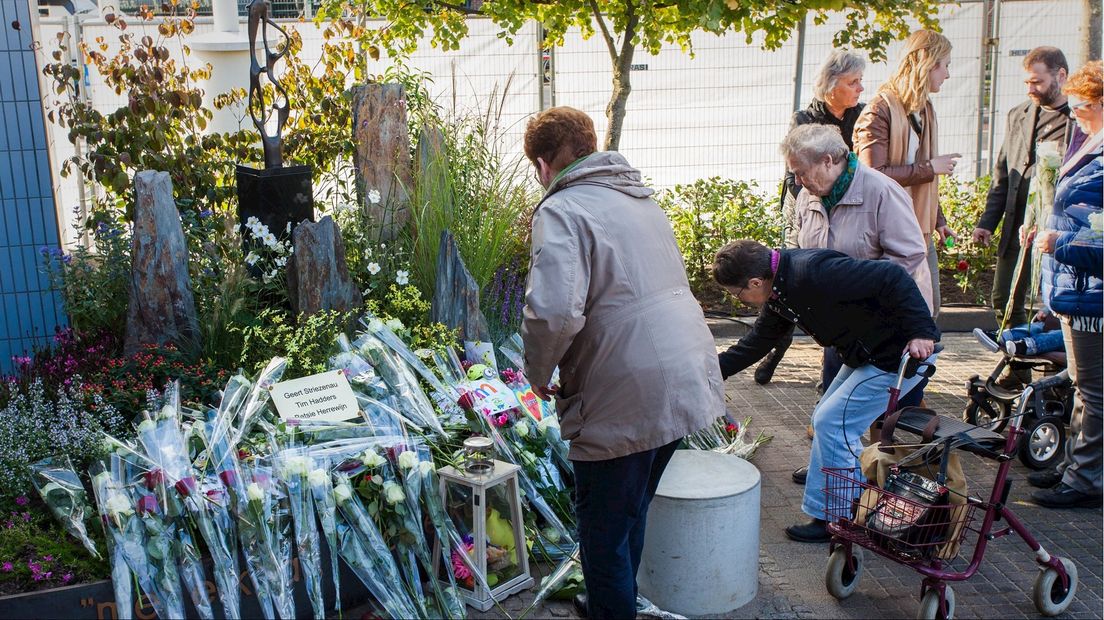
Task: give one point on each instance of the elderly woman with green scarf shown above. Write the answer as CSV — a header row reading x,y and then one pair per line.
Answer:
x,y
851,208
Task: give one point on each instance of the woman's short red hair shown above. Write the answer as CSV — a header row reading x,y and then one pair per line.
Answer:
x,y
1087,83
559,136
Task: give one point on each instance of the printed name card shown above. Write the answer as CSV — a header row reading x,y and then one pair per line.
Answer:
x,y
326,396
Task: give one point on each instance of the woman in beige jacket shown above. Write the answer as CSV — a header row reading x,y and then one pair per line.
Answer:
x,y
897,134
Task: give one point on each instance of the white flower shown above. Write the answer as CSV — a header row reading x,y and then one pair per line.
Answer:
x,y
393,493
395,325
426,467
1047,154
552,535
408,459
281,261
375,325
287,228
254,492
117,505
270,240
147,426
547,423
371,460
318,477
374,196
251,259
342,493
252,222
373,268
297,465
402,277
259,231
367,253
521,428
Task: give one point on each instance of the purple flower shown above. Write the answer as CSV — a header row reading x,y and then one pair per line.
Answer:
x,y
7,567
47,558
67,577
22,500
206,213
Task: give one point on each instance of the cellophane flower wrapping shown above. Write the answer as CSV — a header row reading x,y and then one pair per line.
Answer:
x,y
60,487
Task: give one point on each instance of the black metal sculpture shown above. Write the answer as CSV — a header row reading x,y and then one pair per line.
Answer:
x,y
259,108
278,196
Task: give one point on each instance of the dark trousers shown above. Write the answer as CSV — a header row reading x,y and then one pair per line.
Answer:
x,y
611,502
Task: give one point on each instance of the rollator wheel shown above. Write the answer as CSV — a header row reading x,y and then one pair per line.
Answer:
x,y
985,412
1043,441
929,605
1050,598
843,573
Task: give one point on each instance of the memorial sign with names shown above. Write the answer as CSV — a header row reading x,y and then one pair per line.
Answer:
x,y
325,396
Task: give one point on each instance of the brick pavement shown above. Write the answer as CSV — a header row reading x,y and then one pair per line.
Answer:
x,y
791,575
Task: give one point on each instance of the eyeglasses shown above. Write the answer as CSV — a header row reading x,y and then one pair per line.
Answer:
x,y
1076,105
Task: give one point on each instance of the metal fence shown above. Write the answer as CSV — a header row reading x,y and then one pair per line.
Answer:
x,y
721,112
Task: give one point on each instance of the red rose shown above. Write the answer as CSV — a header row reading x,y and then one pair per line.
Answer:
x,y
466,401
153,478
185,486
229,478
963,265
732,428
147,504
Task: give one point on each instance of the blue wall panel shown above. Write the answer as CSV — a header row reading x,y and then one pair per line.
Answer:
x,y
29,310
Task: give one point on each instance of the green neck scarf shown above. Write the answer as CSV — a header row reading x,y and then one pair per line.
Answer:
x,y
842,183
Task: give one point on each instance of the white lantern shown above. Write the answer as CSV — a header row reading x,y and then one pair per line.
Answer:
x,y
485,505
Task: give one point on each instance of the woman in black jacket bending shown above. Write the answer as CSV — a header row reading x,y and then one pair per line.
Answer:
x,y
870,311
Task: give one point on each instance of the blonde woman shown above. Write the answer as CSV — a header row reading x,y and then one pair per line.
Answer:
x,y
897,134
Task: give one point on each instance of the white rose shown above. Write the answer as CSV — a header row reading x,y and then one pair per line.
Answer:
x,y
426,467
117,505
254,492
395,325
318,477
547,423
147,426
375,325
393,493
521,428
408,459
297,465
342,493
371,460
1048,155
373,268
374,196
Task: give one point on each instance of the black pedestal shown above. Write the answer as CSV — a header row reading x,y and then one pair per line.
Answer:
x,y
276,197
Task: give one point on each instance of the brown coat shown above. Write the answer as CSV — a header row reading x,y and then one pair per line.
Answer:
x,y
607,300
881,142
873,220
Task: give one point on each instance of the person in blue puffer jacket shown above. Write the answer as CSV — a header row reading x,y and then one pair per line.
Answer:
x,y
1072,286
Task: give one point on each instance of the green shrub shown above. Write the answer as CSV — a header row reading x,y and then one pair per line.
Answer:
x,y
963,203
708,213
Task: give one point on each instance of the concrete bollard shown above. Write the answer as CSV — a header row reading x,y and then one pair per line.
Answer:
x,y
701,548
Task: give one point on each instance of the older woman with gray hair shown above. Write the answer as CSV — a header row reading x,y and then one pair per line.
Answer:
x,y
846,206
836,103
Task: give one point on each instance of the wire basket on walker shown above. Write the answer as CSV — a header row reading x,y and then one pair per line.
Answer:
x,y
914,518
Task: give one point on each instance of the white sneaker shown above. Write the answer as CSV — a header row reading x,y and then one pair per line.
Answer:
x,y
985,341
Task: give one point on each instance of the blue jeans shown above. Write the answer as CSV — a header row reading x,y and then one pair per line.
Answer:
x,y
1037,340
854,400
611,502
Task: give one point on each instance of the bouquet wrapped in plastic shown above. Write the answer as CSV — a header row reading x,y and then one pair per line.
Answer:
x,y
60,487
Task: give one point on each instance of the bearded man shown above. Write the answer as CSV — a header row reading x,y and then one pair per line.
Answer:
x,y
1044,117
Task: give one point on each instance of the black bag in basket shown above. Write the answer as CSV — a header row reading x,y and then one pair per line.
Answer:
x,y
915,528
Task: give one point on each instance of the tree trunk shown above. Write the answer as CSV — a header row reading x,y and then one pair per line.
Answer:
x,y
615,109
1090,35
